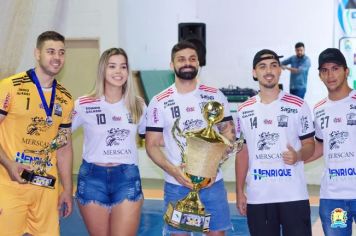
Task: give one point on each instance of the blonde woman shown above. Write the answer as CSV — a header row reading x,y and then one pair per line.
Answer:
x,y
109,192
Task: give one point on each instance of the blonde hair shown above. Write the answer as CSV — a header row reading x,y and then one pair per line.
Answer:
x,y
133,102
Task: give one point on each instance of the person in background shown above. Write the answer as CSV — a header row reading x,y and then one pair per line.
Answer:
x,y
278,130
335,127
109,192
185,100
299,68
34,107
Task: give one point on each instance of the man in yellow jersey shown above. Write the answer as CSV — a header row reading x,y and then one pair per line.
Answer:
x,y
33,108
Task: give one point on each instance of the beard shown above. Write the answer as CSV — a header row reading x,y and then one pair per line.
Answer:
x,y
186,75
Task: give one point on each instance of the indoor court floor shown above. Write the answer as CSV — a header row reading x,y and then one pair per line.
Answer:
x,y
151,218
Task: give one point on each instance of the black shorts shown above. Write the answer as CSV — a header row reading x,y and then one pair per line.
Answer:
x,y
290,218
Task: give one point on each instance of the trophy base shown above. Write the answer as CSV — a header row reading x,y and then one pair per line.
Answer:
x,y
31,177
187,220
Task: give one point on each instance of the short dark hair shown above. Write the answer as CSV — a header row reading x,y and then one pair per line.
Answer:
x,y
182,45
299,45
49,35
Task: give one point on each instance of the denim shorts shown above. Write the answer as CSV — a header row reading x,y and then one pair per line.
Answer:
x,y
214,199
337,216
108,186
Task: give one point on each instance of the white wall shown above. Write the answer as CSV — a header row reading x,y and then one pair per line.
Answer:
x,y
75,19
236,30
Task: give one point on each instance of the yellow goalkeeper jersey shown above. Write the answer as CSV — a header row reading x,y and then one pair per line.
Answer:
x,y
24,128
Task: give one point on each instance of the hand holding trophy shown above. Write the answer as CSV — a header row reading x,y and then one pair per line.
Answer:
x,y
38,175
205,152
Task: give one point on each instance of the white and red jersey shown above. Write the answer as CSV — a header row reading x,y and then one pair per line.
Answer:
x,y
335,126
166,107
109,132
268,129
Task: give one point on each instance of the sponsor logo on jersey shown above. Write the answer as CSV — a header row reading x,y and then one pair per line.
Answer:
x,y
95,109
169,103
352,106
6,102
337,120
259,174
116,118
305,124
320,113
22,91
155,115
37,125
61,100
129,118
238,126
111,152
267,140
192,124
30,141
351,119
57,109
269,156
282,121
340,156
116,135
248,113
338,218
23,158
207,97
289,110
190,109
267,122
337,138
342,172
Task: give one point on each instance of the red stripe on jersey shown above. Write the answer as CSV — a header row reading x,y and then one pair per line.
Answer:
x,y
354,97
165,94
293,99
247,103
320,103
207,89
85,100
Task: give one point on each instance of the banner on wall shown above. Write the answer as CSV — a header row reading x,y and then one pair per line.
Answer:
x,y
345,34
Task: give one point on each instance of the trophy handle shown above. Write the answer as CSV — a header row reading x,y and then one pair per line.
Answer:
x,y
176,129
234,147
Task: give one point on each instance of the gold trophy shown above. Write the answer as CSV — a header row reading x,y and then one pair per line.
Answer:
x,y
206,150
38,175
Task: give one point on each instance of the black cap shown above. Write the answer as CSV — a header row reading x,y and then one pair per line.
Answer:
x,y
265,54
332,55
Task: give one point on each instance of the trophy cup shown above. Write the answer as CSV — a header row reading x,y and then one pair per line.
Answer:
x,y
205,152
38,175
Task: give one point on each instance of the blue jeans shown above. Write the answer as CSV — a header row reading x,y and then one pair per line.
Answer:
x,y
214,199
108,186
337,216
298,92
